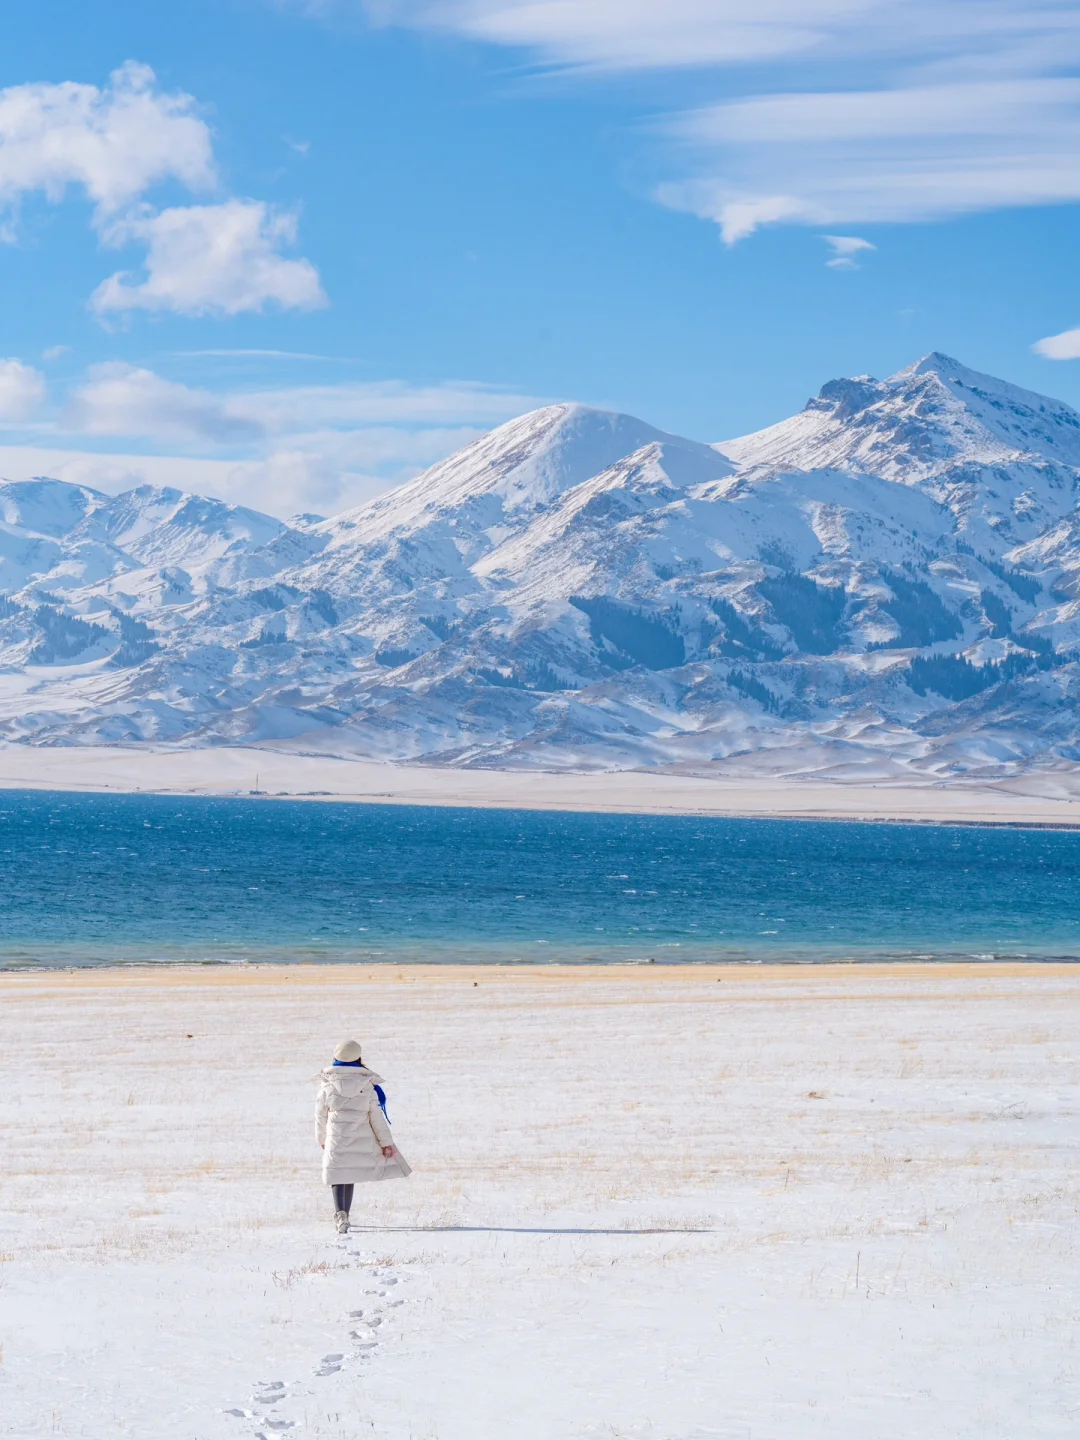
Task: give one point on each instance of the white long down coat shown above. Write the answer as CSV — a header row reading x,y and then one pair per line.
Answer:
x,y
353,1129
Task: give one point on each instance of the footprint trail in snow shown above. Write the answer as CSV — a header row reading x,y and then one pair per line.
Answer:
x,y
364,1331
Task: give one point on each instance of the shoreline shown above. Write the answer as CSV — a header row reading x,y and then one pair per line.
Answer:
x,y
775,975
1045,801
383,968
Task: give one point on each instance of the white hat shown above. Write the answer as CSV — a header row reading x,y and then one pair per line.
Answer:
x,y
348,1051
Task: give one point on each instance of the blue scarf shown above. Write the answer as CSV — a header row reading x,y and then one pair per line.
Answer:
x,y
379,1091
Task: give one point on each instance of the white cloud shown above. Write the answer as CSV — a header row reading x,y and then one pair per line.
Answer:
x,y
982,109
847,244
920,153
845,248
234,353
629,35
114,142
127,400
1065,346
331,472
212,260
935,107
113,472
121,399
117,143
22,390
741,218
634,34
313,447
379,402
326,476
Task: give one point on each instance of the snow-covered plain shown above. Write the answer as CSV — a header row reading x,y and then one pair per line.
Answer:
x,y
1043,798
653,1204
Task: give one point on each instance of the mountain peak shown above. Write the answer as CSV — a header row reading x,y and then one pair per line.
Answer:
x,y
526,463
930,416
43,506
935,363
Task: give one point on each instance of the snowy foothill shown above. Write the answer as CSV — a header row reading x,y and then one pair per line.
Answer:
x,y
650,1203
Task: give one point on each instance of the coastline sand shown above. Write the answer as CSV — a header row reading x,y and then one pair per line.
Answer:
x,y
1044,799
660,1204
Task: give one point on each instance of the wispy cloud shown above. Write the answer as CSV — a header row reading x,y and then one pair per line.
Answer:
x,y
325,475
125,400
633,34
844,249
380,402
934,107
917,153
309,447
252,354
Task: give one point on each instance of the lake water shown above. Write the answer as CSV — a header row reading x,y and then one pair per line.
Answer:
x,y
93,880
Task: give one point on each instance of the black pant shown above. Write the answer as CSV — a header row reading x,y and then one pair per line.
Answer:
x,y
342,1198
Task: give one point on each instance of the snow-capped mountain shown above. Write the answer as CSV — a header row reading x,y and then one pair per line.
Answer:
x,y
888,581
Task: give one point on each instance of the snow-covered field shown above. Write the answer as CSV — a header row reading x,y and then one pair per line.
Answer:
x,y
648,1203
1048,798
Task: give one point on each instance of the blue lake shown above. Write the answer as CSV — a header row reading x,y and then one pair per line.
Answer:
x,y
90,880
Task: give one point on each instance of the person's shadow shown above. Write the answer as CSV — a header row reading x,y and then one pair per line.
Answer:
x,y
520,1230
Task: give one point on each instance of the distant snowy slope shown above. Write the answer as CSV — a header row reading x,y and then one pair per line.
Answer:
x,y
37,517
162,526
46,507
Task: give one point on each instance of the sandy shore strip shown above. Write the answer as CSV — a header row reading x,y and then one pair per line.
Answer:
x,y
1051,799
813,1202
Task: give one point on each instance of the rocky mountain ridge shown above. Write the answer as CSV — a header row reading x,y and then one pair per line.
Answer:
x,y
885,583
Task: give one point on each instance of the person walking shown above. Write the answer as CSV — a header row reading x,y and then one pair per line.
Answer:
x,y
353,1130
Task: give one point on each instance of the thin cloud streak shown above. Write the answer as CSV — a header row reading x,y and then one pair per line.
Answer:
x,y
844,249
122,399
937,107
312,447
613,35
287,480
262,355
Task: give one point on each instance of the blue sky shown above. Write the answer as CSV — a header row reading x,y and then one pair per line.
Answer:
x,y
291,252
